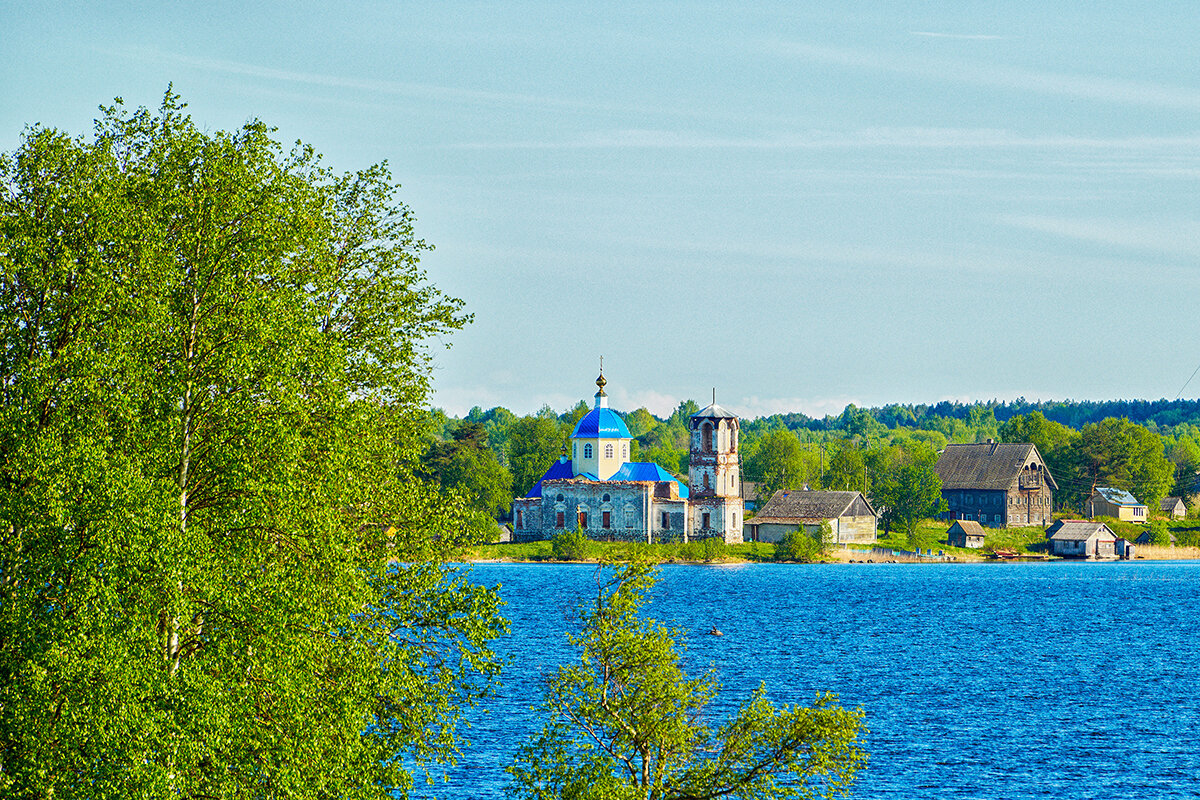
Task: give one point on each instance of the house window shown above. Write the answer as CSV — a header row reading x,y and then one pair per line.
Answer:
x,y
706,522
583,519
587,451
606,519
666,520
608,451
560,519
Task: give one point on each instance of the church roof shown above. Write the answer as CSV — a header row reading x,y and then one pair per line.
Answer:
x,y
637,471
714,411
601,423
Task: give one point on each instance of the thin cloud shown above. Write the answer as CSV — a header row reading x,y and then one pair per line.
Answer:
x,y
974,36
1174,238
1090,87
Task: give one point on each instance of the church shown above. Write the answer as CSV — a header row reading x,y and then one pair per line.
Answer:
x,y
601,492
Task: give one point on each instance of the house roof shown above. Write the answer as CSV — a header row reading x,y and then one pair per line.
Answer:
x,y
1079,530
969,526
635,471
989,466
750,491
1170,503
1118,497
790,505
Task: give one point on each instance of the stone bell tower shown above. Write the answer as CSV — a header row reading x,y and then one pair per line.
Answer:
x,y
714,488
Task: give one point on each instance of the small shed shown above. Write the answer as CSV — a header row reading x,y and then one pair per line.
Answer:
x,y
850,516
1145,538
965,533
1173,507
1079,538
1124,549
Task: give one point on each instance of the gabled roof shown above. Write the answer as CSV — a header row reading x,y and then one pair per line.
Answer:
x,y
1170,503
1118,497
969,526
1078,530
989,466
789,505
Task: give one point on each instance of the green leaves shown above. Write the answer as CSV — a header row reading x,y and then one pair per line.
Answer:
x,y
626,721
210,354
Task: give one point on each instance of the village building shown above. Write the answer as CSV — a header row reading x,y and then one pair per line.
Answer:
x,y
1173,507
1117,503
1144,538
996,485
851,517
1076,538
965,533
599,491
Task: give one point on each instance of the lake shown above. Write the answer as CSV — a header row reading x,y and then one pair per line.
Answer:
x,y
1065,680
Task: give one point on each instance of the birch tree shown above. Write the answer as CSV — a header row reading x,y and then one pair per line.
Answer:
x,y
212,353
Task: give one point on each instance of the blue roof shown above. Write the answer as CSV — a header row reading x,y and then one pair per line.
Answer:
x,y
646,471
628,472
1118,497
601,422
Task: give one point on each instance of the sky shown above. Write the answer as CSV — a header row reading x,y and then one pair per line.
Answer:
x,y
797,205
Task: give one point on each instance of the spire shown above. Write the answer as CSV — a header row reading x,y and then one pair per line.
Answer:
x,y
601,397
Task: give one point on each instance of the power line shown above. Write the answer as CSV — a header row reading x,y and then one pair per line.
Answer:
x,y
1185,383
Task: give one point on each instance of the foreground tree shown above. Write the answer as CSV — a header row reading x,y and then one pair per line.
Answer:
x,y
626,722
211,357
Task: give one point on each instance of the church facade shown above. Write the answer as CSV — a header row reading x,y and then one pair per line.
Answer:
x,y
599,491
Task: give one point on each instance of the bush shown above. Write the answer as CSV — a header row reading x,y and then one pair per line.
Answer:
x,y
800,546
1159,536
572,546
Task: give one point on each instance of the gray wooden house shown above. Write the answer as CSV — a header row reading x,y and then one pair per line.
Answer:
x,y
1078,538
996,485
849,514
965,533
1173,507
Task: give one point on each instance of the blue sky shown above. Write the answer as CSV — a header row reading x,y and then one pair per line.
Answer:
x,y
797,204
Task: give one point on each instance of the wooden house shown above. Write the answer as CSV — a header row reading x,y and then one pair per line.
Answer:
x,y
965,533
1077,538
1173,507
996,485
849,514
1116,503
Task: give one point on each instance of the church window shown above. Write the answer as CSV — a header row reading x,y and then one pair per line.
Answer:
x,y
520,523
630,516
706,521
606,498
706,480
706,438
606,519
560,519
666,520
624,451
608,451
587,451
559,498
583,519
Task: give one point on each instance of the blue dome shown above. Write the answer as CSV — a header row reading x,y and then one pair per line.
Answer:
x,y
601,423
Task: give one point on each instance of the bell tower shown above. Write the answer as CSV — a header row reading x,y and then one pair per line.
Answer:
x,y
714,486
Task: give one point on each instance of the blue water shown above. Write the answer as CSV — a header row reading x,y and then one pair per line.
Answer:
x,y
1064,680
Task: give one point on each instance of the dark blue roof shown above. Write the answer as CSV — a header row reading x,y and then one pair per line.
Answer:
x,y
601,422
628,472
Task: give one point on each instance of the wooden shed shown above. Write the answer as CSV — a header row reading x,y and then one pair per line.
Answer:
x,y
1080,538
965,533
849,514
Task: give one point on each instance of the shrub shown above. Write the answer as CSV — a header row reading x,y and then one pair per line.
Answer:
x,y
572,546
800,546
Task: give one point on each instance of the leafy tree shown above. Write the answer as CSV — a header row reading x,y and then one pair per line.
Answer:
x,y
846,470
1159,535
1185,455
640,422
211,361
533,445
573,545
777,462
627,722
800,545
467,465
1120,453
913,492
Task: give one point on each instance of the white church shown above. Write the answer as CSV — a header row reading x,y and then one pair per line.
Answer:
x,y
600,491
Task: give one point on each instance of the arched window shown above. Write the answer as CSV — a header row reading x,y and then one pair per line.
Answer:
x,y
608,451
706,480
587,451
606,498
706,438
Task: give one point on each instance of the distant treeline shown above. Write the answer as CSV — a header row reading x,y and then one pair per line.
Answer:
x,y
1072,413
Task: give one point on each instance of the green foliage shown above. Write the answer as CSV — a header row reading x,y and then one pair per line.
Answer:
x,y
533,445
913,492
778,462
805,547
1116,452
467,466
847,468
572,546
626,721
213,356
1159,535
